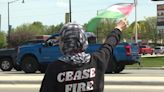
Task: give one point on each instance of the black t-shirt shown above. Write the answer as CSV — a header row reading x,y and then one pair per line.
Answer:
x,y
89,77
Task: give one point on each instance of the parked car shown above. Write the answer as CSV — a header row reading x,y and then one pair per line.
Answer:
x,y
145,49
8,59
159,50
8,56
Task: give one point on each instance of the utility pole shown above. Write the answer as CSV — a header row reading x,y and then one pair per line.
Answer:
x,y
0,22
70,12
136,33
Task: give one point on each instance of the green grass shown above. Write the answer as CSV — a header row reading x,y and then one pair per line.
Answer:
x,y
150,62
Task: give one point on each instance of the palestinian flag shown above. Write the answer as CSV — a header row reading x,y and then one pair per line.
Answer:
x,y
115,11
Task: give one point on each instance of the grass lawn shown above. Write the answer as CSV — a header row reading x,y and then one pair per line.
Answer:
x,y
150,62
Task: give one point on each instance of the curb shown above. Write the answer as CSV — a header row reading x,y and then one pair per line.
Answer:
x,y
156,83
148,68
20,82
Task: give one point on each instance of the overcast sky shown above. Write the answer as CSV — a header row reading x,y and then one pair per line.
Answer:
x,y
51,12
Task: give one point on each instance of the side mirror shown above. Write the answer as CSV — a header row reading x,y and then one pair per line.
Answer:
x,y
48,43
44,44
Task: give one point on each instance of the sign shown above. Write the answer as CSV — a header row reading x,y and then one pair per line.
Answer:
x,y
160,18
157,0
67,18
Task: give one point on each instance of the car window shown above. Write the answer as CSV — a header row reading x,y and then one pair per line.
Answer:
x,y
157,48
142,46
32,42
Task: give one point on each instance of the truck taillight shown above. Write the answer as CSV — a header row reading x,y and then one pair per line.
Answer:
x,y
128,50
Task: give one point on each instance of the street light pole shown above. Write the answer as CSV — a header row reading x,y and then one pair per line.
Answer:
x,y
8,21
70,11
9,26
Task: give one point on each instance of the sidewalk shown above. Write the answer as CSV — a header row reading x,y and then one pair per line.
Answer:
x,y
109,80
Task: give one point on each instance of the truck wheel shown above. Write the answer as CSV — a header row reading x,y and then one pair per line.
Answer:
x,y
6,64
119,68
29,64
111,65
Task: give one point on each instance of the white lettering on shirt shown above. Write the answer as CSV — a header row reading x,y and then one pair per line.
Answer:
x,y
69,76
68,88
60,77
79,87
85,74
89,86
77,75
92,72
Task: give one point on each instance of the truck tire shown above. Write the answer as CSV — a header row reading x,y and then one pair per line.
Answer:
x,y
119,68
111,66
29,64
6,64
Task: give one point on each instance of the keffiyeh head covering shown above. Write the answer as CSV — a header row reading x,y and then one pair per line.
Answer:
x,y
73,42
73,39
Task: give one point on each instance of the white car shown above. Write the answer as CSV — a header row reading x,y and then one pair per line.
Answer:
x,y
159,50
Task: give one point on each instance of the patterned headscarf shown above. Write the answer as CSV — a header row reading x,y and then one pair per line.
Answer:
x,y
73,42
73,39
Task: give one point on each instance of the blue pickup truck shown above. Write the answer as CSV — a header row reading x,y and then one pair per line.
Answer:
x,y
34,57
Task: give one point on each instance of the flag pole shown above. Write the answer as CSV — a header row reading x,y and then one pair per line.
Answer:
x,y
136,33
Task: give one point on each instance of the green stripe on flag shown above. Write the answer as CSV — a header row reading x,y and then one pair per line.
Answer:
x,y
110,14
92,25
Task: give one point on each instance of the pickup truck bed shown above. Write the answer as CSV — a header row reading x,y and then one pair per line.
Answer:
x,y
124,54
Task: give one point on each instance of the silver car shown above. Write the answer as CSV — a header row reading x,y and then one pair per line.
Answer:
x,y
159,50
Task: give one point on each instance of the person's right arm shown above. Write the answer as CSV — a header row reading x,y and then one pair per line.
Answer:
x,y
113,38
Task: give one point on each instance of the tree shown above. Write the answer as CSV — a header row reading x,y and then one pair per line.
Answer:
x,y
37,27
2,39
53,29
20,35
23,33
151,23
146,30
27,32
105,26
141,30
